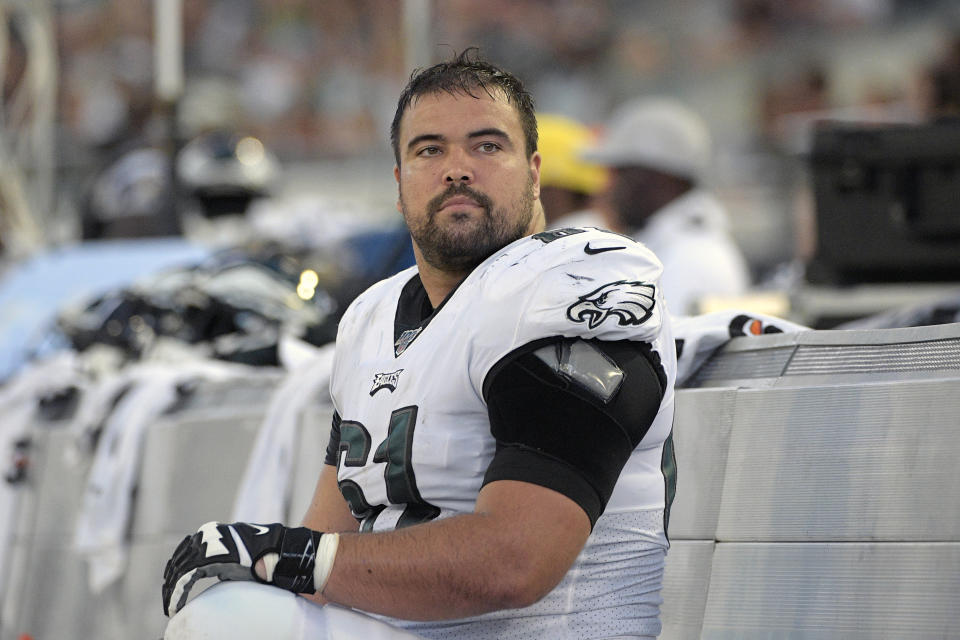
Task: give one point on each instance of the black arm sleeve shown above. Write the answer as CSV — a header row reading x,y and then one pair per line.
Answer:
x,y
333,444
554,431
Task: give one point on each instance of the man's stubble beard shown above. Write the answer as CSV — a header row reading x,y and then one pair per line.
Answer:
x,y
460,247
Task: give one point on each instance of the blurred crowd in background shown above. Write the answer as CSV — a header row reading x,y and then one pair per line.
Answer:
x,y
286,106
317,81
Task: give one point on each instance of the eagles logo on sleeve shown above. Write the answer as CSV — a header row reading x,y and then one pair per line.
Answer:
x,y
630,302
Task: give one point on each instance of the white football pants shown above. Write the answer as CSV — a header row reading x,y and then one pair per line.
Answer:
x,y
253,611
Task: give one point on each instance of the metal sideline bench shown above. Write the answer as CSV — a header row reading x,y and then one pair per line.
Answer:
x,y
192,460
819,489
818,497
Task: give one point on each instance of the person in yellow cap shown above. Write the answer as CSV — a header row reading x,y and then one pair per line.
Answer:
x,y
568,183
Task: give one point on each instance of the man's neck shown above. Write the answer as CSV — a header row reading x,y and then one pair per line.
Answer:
x,y
437,283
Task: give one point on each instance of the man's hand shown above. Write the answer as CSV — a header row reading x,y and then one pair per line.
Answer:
x,y
231,551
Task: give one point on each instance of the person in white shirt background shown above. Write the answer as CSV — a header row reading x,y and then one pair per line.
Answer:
x,y
659,152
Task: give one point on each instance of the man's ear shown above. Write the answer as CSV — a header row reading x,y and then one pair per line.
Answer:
x,y
535,160
396,176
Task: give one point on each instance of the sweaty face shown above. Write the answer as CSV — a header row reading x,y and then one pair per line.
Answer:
x,y
467,187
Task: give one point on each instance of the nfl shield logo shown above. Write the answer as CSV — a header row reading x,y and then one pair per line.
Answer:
x,y
405,339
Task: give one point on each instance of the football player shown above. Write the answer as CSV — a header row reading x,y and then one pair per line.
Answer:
x,y
500,462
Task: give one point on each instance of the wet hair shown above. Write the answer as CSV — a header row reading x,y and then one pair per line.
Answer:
x,y
465,74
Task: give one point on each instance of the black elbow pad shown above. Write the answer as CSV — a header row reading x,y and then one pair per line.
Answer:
x,y
567,414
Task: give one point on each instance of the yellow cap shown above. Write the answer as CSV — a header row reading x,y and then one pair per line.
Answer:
x,y
560,142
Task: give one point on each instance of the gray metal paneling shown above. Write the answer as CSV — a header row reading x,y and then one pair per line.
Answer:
x,y
56,601
701,433
192,467
40,557
192,463
140,591
52,494
686,580
19,570
934,355
210,395
68,609
856,462
727,367
834,590
823,357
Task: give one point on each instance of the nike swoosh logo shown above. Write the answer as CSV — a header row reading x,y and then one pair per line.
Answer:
x,y
260,529
590,251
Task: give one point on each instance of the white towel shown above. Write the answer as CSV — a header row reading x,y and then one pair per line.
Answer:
x,y
698,337
265,488
104,516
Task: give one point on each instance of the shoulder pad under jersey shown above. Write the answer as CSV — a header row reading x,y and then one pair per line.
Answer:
x,y
580,282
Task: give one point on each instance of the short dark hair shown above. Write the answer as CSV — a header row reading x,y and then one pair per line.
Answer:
x,y
464,74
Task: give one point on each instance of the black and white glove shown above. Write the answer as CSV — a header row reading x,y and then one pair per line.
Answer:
x,y
230,552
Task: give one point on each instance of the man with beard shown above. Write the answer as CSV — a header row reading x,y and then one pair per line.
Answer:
x,y
500,462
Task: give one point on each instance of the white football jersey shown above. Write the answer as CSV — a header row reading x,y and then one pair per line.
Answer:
x,y
415,434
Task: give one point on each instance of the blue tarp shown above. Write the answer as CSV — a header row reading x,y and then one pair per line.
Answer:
x,y
33,291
